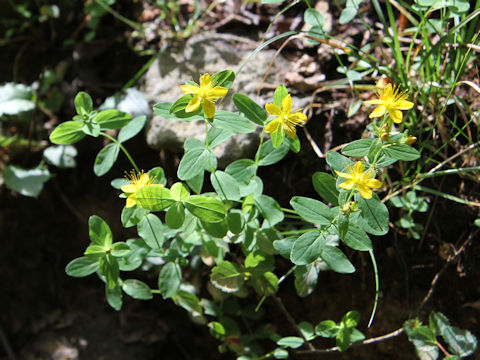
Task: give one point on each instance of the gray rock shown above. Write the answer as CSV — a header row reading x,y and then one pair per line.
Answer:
x,y
211,53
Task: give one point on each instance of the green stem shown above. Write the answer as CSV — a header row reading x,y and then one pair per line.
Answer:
x,y
123,19
257,155
123,149
377,287
286,274
288,211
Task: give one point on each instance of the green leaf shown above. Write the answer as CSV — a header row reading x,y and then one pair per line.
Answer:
x,y
133,260
206,208
224,78
313,18
354,107
95,250
132,216
295,144
306,277
28,182
158,175
401,152
242,170
293,342
91,128
337,161
218,229
150,229
105,159
351,319
307,330
307,248
343,338
284,246
99,232
327,329
325,186
114,297
153,197
225,185
250,108
169,279
357,239
196,183
358,148
83,103
227,276
460,342
233,122
278,353
82,266
336,260
178,107
179,192
132,128
163,109
312,210
67,133
277,137
188,301
269,209
137,289
280,92
269,155
375,215
175,216
193,163
217,330
264,283
235,221
216,136
120,249
112,119
108,267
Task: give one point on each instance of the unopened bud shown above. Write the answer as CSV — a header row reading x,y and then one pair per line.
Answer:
x,y
410,140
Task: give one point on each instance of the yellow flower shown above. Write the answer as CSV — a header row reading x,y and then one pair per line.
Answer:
x,y
364,181
205,95
136,182
391,101
285,117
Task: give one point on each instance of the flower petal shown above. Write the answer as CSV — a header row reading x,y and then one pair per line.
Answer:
x,y
403,104
374,102
144,180
205,81
378,112
129,189
287,104
396,115
217,92
364,191
273,126
344,175
373,183
273,109
131,201
193,105
347,185
289,129
209,108
358,168
189,89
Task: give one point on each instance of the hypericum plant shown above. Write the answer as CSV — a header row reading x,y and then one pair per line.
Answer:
x,y
236,231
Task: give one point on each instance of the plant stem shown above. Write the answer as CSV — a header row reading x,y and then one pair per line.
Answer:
x,y
377,287
123,149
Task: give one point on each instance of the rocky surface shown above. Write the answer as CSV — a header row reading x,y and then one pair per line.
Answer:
x,y
211,53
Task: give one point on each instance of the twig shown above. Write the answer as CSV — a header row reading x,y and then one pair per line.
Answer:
x,y
450,259
364,342
291,320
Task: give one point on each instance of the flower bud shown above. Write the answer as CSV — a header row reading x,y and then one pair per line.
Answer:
x,y
410,140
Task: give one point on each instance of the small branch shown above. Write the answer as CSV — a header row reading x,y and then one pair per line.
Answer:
x,y
291,320
440,273
364,342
